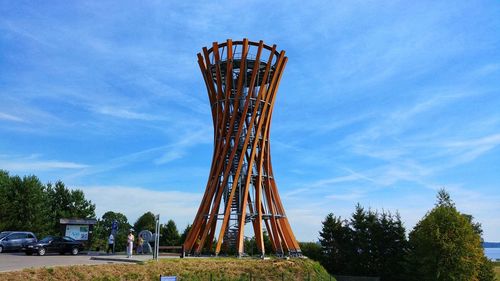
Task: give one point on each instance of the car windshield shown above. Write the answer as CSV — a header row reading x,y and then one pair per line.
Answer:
x,y
46,239
3,234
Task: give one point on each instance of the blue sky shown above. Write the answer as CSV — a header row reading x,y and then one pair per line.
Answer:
x,y
381,103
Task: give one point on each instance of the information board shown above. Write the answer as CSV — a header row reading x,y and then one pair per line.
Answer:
x,y
78,232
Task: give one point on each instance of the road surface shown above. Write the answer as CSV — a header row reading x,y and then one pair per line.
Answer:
x,y
19,261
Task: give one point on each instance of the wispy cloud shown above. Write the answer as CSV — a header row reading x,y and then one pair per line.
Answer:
x,y
32,164
468,150
351,197
179,148
126,113
9,117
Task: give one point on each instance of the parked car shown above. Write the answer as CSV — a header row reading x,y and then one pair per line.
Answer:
x,y
15,240
54,244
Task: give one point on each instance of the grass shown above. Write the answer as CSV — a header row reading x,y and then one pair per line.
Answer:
x,y
186,269
496,264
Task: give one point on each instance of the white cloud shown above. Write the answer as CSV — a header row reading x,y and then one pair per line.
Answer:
x,y
178,149
125,113
9,117
351,196
491,140
135,201
32,164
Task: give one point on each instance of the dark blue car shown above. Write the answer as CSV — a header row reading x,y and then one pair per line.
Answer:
x,y
15,240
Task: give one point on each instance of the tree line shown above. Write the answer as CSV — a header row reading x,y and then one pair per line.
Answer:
x,y
27,204
444,245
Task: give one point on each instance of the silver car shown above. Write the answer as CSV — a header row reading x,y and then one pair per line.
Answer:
x,y
15,240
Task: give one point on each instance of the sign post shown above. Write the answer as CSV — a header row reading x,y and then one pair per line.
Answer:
x,y
114,230
157,237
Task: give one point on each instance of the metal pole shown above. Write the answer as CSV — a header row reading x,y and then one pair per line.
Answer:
x,y
156,237
157,242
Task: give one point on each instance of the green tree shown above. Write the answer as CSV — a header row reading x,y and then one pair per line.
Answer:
x,y
5,183
169,235
336,245
103,228
445,246
145,222
444,199
250,244
486,270
184,234
24,204
370,244
389,237
66,203
311,250
267,242
363,257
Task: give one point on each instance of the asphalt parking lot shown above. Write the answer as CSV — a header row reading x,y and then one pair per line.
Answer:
x,y
19,261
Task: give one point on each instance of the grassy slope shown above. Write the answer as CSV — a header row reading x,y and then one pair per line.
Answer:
x,y
186,269
497,269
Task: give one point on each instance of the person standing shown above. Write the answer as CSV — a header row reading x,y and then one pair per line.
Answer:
x,y
140,242
130,244
111,243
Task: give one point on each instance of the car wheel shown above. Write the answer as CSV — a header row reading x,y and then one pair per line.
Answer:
x,y
28,253
42,251
74,251
1,249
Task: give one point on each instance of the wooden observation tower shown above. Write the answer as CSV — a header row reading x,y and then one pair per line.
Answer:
x,y
242,79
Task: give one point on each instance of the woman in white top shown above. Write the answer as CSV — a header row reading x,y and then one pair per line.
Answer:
x,y
130,244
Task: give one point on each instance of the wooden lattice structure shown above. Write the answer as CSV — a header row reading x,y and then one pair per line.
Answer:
x,y
242,79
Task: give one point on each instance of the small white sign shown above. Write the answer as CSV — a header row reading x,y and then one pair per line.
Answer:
x,y
168,278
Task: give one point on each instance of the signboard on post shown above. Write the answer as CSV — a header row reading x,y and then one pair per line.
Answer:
x,y
77,232
114,230
114,227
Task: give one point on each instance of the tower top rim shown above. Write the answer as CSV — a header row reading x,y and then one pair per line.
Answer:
x,y
240,42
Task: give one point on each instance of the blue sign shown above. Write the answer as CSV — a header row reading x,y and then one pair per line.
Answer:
x,y
114,225
168,278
